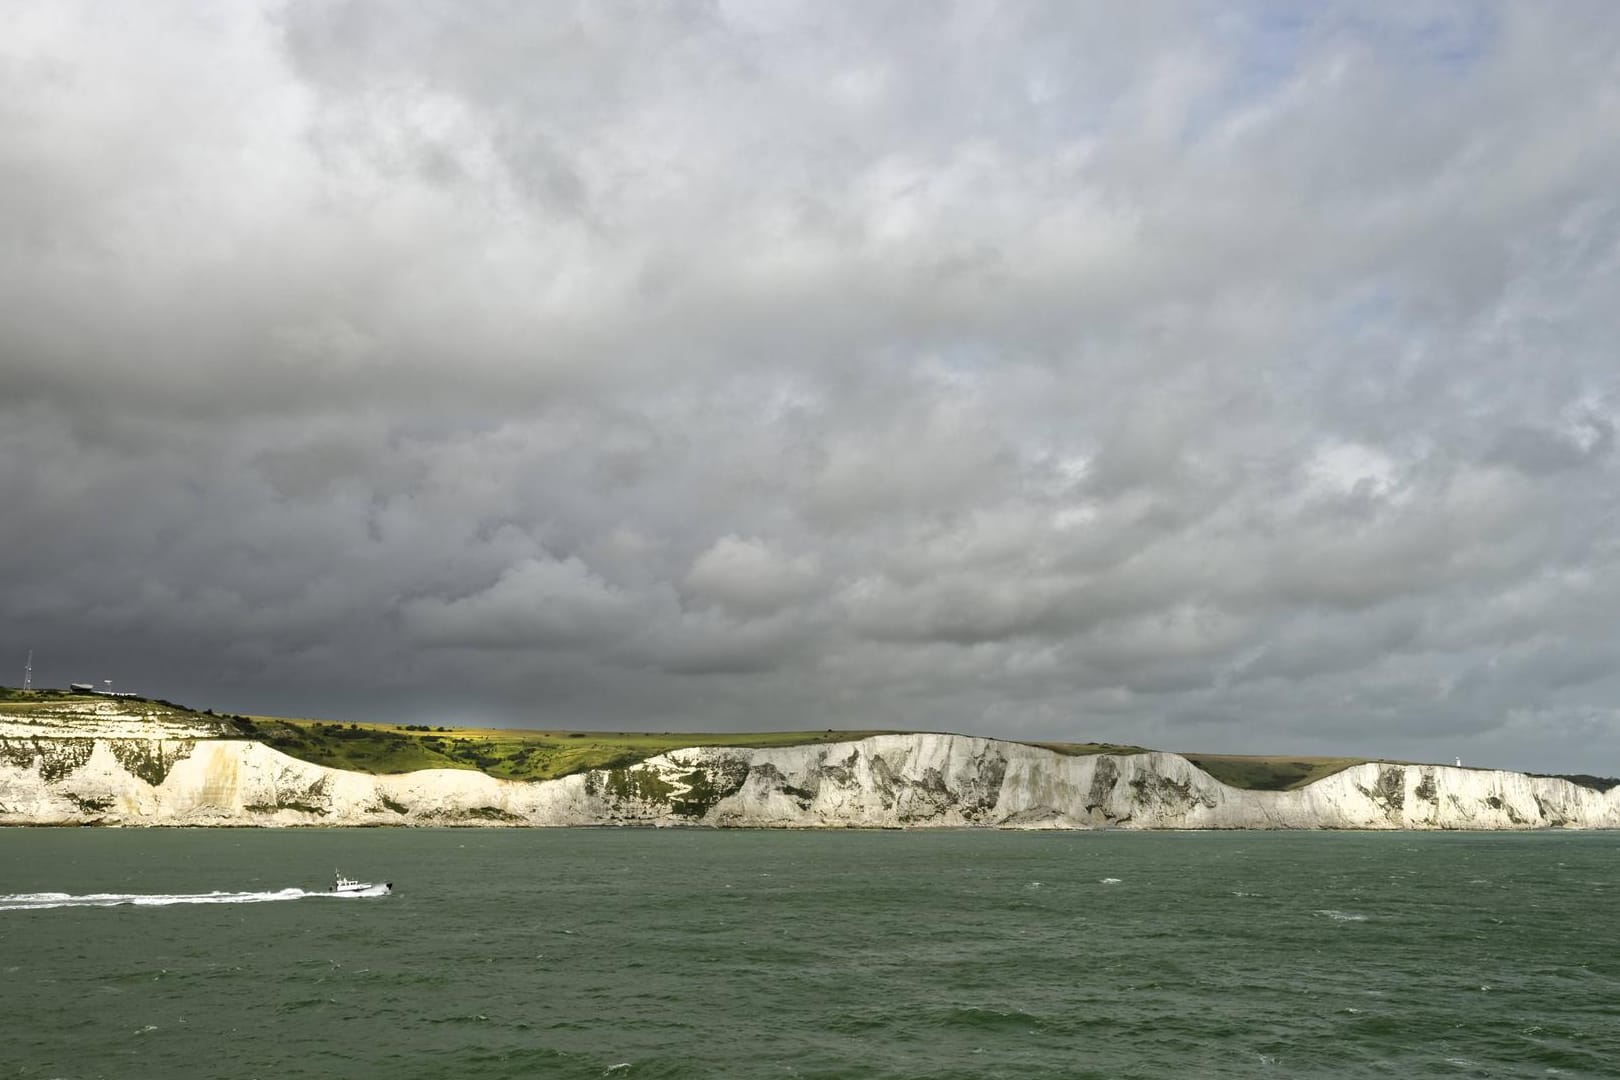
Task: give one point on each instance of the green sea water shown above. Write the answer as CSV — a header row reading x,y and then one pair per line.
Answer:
x,y
700,953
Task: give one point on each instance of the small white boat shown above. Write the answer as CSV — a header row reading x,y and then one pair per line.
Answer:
x,y
349,887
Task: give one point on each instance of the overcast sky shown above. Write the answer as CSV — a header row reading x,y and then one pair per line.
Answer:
x,y
1208,376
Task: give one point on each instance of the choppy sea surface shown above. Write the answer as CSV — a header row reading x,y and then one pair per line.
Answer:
x,y
697,953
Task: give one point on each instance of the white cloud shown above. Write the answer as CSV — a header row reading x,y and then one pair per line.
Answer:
x,y
1348,469
747,578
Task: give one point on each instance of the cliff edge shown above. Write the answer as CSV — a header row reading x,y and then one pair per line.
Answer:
x,y
122,770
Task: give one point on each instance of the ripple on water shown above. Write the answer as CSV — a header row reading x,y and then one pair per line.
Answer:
x,y
1339,916
879,956
974,1018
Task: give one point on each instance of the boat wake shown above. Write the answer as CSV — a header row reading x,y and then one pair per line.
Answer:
x,y
45,900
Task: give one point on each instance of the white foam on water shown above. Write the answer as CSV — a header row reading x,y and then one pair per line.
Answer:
x,y
1340,916
45,900
1109,881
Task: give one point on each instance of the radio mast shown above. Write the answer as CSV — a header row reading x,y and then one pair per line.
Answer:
x,y
28,672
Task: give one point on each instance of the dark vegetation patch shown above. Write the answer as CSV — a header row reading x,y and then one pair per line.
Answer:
x,y
884,781
707,786
1250,772
56,757
982,791
1585,780
491,813
1088,749
1153,788
631,785
1103,777
149,759
287,804
1391,788
19,752
1426,789
1269,773
774,778
841,773
12,693
1550,813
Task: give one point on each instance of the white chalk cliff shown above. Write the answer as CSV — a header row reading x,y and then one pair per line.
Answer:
x,y
123,770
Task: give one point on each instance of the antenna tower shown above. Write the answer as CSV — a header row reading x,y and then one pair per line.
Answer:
x,y
28,671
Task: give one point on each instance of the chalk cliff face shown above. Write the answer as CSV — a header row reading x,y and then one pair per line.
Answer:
x,y
135,774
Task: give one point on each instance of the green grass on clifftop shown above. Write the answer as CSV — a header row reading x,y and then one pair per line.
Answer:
x,y
1270,773
1251,772
524,754
1087,749
508,754
67,705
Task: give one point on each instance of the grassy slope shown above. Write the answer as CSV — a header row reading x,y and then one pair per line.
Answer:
x,y
1257,773
48,704
1086,749
509,754
1270,773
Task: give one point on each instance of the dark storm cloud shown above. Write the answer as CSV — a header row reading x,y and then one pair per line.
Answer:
x,y
1209,376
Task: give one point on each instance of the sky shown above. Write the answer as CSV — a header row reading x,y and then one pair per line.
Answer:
x,y
1221,377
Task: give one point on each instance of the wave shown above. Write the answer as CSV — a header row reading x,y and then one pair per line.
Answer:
x,y
45,900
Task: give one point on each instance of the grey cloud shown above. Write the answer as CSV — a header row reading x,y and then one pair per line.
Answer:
x,y
746,577
707,643
536,603
1536,450
962,611
1057,371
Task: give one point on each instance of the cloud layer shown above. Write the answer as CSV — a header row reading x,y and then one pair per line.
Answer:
x,y
1226,377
